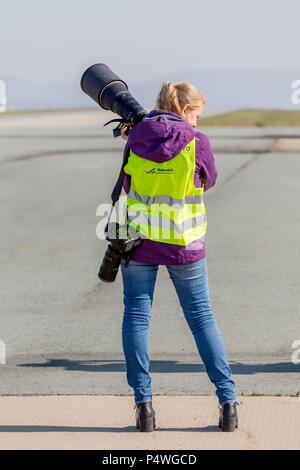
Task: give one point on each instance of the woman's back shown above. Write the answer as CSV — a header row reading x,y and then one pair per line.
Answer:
x,y
158,139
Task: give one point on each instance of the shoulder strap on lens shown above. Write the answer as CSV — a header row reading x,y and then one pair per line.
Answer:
x,y
115,195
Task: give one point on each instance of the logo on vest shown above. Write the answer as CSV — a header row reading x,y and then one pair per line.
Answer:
x,y
160,171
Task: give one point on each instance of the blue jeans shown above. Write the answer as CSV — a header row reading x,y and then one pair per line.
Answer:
x,y
191,284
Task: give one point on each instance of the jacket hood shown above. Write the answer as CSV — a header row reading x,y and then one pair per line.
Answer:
x,y
160,136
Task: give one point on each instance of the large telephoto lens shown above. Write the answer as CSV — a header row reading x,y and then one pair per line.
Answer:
x,y
111,92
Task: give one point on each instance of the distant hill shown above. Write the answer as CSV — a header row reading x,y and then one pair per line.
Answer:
x,y
231,89
228,89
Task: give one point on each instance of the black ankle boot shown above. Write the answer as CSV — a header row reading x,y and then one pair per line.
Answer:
x,y
145,416
228,419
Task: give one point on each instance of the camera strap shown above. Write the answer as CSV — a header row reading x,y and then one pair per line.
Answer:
x,y
115,195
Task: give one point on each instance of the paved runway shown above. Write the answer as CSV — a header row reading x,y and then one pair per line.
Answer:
x,y
62,327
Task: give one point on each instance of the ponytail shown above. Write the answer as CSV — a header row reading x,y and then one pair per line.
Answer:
x,y
167,98
174,97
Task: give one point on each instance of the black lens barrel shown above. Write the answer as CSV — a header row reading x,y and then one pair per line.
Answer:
x,y
96,78
110,92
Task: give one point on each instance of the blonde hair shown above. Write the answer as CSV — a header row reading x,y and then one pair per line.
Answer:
x,y
173,97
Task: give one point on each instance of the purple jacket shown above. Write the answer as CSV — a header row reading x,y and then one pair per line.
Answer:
x,y
159,137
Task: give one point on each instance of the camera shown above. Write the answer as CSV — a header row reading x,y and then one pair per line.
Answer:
x,y
111,93
123,241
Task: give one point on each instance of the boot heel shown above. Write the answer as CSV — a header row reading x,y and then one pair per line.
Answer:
x,y
229,424
146,424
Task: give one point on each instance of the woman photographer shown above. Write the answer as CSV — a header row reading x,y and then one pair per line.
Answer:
x,y
169,168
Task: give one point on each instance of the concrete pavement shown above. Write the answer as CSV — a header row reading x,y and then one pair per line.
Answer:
x,y
183,423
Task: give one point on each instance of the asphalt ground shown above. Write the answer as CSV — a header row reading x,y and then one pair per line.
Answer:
x,y
61,326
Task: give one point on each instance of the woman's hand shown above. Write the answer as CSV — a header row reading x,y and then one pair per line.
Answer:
x,y
124,136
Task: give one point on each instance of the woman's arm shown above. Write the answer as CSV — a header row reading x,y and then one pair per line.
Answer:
x,y
205,162
127,178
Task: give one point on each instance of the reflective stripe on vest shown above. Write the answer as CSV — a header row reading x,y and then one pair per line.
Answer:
x,y
163,203
169,224
149,200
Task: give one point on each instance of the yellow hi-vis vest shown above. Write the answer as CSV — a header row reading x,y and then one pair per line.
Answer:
x,y
163,203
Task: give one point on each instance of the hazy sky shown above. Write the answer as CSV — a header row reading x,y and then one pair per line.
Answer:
x,y
59,39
